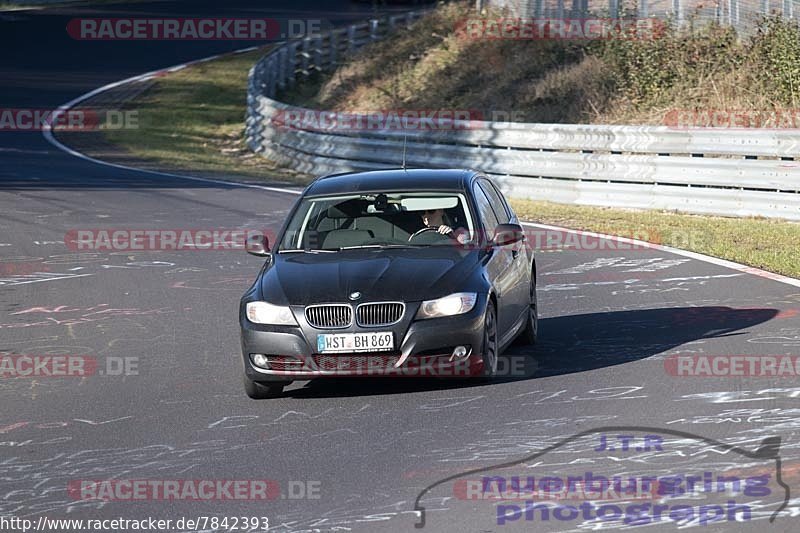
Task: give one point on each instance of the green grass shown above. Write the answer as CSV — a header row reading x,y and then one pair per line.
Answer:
x,y
769,244
193,118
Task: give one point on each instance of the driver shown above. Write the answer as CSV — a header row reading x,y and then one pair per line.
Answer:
x,y
434,218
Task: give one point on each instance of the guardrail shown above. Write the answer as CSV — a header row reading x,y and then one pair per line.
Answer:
x,y
279,69
708,171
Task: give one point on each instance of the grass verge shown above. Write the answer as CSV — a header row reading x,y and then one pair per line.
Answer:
x,y
193,120
763,243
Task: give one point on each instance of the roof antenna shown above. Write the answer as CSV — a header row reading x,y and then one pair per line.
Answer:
x,y
404,150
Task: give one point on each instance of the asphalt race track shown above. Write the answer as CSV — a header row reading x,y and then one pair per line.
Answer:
x,y
346,455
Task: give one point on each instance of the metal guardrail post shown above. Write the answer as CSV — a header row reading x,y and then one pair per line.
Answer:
x,y
373,30
560,9
272,73
351,37
643,9
613,9
317,46
677,9
334,49
305,55
291,64
283,67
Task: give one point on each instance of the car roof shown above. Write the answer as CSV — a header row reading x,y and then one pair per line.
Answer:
x,y
392,180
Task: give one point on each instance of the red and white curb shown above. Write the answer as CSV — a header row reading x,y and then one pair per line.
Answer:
x,y
48,134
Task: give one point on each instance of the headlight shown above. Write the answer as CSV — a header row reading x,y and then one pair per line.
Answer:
x,y
454,304
266,313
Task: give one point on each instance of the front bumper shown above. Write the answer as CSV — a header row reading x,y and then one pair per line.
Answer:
x,y
423,348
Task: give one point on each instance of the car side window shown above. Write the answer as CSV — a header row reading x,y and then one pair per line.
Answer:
x,y
509,210
497,201
485,209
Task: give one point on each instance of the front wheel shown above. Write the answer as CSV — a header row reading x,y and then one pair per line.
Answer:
x,y
531,331
261,391
489,353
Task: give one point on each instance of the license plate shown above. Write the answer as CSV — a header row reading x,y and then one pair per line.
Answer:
x,y
355,342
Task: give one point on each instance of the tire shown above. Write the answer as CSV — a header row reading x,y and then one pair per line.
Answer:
x,y
489,353
262,391
531,331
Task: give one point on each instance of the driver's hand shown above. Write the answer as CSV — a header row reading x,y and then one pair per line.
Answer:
x,y
462,236
444,230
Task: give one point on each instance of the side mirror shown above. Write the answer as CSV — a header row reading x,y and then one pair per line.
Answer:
x,y
507,234
257,245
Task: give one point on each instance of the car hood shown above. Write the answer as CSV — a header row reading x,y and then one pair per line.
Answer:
x,y
408,274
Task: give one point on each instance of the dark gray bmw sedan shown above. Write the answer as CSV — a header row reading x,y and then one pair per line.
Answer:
x,y
389,273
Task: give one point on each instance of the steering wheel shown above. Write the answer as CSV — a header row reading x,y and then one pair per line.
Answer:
x,y
420,232
426,229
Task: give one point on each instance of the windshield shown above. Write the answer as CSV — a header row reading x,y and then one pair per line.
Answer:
x,y
378,220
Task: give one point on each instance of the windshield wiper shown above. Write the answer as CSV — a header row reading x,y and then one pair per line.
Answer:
x,y
301,250
381,246
360,246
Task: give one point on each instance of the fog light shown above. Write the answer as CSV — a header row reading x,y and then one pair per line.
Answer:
x,y
459,352
260,360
